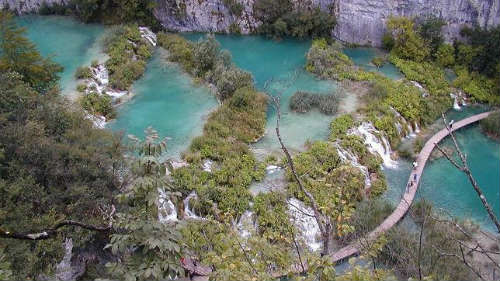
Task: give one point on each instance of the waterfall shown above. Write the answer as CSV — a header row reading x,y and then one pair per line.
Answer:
x,y
246,224
188,213
378,145
271,169
456,106
147,34
302,217
166,208
347,156
207,165
98,121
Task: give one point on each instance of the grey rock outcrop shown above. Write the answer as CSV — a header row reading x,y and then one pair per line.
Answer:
x,y
27,6
358,21
363,21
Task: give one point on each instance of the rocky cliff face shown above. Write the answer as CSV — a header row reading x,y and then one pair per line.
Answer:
x,y
27,6
359,21
363,21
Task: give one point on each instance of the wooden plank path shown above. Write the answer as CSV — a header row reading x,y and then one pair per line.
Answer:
x,y
409,195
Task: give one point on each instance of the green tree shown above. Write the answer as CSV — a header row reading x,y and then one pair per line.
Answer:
x,y
19,55
407,43
149,249
430,30
445,55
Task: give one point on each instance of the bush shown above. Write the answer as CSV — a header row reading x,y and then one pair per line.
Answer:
x,y
81,88
98,104
407,43
328,60
83,72
491,125
304,102
340,125
479,87
279,19
128,54
234,6
445,55
378,61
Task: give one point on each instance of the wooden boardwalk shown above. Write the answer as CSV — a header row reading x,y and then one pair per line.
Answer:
x,y
409,195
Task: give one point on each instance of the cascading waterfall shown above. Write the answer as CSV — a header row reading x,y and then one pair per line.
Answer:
x,y
149,35
303,219
188,213
246,225
347,156
375,144
166,208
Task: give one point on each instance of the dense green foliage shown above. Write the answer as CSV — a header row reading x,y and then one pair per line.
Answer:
x,y
336,186
408,44
378,61
19,55
128,54
83,72
303,102
485,51
491,125
147,247
439,236
429,29
239,121
207,61
97,104
327,60
107,11
280,19
226,135
340,125
54,165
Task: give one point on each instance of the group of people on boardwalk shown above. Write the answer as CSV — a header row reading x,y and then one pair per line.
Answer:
x,y
414,180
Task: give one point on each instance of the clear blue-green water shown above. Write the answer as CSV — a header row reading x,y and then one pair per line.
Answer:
x,y
278,68
68,41
449,189
170,102
363,57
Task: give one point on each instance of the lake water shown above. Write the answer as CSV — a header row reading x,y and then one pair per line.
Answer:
x,y
170,102
68,41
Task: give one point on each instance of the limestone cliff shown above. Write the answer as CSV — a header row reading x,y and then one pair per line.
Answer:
x,y
359,21
27,6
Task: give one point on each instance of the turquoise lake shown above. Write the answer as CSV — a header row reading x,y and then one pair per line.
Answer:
x,y
167,100
68,41
173,104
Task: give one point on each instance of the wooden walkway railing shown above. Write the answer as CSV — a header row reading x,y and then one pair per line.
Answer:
x,y
409,195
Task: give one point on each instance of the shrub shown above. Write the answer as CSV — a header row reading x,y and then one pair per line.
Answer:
x,y
340,125
279,19
479,87
378,61
234,6
128,54
98,104
83,72
81,88
445,55
407,43
304,102
328,60
491,125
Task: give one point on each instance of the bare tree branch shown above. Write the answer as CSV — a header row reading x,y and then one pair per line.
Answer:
x,y
51,232
465,169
